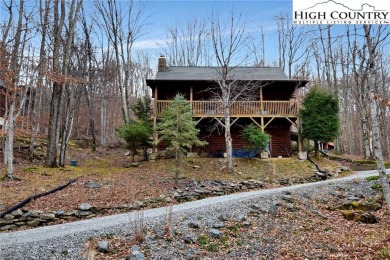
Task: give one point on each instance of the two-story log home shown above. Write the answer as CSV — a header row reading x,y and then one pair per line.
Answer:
x,y
273,106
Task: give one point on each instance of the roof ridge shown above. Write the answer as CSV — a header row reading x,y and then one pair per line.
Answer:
x,y
246,67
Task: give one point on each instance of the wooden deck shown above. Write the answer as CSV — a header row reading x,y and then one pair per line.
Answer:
x,y
239,108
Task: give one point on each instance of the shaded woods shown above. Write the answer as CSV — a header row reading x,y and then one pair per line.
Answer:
x,y
70,69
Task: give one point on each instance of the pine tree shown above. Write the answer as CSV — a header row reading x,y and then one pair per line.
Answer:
x,y
178,131
319,115
137,135
257,140
142,110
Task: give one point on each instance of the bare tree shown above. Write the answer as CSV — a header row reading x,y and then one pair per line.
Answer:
x,y
228,40
60,71
44,10
122,27
373,42
187,44
90,87
10,76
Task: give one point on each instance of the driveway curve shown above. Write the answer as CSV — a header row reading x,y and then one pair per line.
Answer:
x,y
50,242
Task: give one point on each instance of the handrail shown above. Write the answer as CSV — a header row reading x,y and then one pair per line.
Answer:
x,y
201,108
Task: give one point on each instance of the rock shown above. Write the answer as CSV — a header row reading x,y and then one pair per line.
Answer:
x,y
92,185
343,168
193,224
134,248
287,198
215,233
192,254
284,181
273,210
241,218
47,216
60,213
321,175
8,217
134,164
84,206
35,213
103,246
168,200
33,223
246,223
290,207
8,222
259,208
218,225
138,204
71,213
190,239
17,213
368,204
316,212
360,216
224,217
199,191
192,155
85,213
135,254
353,198
8,227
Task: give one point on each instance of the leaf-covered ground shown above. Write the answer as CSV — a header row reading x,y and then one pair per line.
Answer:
x,y
302,233
121,185
298,234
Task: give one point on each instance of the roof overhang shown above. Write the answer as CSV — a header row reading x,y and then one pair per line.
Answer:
x,y
152,83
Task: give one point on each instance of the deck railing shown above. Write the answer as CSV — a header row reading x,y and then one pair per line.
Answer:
x,y
239,108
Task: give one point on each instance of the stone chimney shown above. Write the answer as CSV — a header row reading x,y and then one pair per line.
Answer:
x,y
162,64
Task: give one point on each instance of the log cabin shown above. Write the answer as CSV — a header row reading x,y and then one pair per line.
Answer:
x,y
272,106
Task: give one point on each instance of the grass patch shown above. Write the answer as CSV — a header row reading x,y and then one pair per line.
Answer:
x,y
387,164
372,178
376,186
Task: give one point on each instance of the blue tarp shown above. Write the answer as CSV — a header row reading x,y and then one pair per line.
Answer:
x,y
242,153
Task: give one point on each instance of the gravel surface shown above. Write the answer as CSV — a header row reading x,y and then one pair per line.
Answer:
x,y
67,241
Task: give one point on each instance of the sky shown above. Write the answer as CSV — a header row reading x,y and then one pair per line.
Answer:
x,y
162,14
257,13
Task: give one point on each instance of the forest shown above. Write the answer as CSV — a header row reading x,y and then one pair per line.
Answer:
x,y
69,69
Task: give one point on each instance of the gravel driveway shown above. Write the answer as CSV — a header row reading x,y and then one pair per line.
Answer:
x,y
66,241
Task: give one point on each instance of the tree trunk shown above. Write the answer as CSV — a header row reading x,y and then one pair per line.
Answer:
x,y
37,99
51,155
9,145
316,149
228,136
177,164
91,119
15,69
374,116
103,121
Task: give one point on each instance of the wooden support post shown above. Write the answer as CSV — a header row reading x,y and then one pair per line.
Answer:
x,y
191,98
262,109
155,114
298,124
